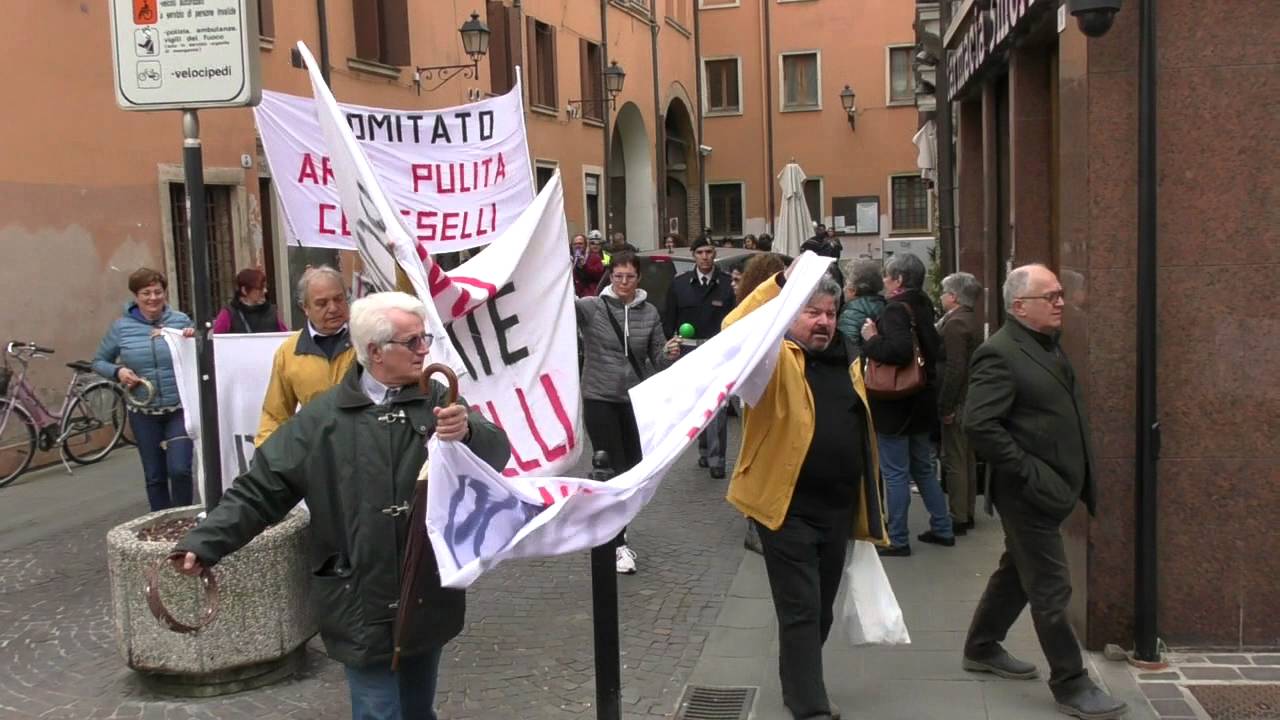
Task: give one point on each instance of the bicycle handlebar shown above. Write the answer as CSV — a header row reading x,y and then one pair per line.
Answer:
x,y
22,345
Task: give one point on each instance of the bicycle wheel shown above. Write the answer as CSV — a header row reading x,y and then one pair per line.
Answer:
x,y
17,441
93,423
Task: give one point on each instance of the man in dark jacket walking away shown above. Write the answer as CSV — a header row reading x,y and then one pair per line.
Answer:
x,y
354,454
905,425
1025,416
961,335
703,298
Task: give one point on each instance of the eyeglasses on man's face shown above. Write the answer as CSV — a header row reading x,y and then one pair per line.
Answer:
x,y
1052,298
625,277
415,343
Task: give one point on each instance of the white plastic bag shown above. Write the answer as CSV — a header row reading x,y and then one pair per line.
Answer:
x,y
870,612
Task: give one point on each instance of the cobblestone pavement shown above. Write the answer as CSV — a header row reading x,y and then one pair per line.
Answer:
x,y
526,651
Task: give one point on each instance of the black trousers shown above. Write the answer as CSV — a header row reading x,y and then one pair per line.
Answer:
x,y
612,428
1033,571
805,561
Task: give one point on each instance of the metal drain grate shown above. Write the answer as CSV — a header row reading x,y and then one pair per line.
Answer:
x,y
703,702
1238,702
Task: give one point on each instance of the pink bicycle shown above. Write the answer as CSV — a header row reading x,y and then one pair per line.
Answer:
x,y
89,424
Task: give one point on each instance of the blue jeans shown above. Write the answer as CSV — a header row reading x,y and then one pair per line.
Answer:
x,y
904,458
377,693
166,451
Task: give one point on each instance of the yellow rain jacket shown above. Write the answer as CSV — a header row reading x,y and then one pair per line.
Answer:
x,y
299,372
776,434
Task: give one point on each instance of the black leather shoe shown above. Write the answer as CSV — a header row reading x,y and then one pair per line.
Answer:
x,y
1003,665
959,530
935,539
894,551
1091,704
702,462
717,473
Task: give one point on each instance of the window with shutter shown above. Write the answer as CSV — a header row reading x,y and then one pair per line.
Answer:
x,y
592,68
266,19
722,85
501,67
542,64
800,81
382,31
726,208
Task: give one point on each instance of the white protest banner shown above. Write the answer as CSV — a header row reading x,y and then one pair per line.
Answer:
x,y
504,320
241,370
476,518
459,176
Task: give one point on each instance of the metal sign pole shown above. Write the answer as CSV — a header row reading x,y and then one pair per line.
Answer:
x,y
198,233
604,615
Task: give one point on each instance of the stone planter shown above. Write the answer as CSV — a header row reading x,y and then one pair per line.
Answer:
x,y
263,621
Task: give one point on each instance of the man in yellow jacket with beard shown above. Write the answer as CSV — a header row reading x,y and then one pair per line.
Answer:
x,y
807,478
316,358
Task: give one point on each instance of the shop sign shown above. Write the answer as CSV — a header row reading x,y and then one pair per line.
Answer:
x,y
988,31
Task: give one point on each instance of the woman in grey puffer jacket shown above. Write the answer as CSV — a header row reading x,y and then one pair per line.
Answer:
x,y
623,344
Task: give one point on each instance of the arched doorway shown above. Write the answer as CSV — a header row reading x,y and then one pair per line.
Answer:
x,y
633,205
682,172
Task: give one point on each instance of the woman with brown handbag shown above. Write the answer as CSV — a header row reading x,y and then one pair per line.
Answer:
x,y
902,350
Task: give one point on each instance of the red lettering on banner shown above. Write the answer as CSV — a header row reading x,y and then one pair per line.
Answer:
x,y
547,498
460,305
325,227
449,228
524,465
550,453
422,173
437,280
464,235
489,288
308,173
501,173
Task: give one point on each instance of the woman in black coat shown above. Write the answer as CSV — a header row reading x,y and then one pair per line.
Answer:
x,y
905,426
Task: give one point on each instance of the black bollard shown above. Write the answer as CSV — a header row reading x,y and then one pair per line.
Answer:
x,y
604,614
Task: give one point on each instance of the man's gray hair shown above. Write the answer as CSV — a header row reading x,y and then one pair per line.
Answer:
x,y
865,278
311,275
1015,286
906,269
370,324
964,286
826,288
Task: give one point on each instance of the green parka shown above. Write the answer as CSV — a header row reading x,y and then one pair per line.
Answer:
x,y
355,465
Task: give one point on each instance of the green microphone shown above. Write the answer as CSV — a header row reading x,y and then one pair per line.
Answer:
x,y
686,332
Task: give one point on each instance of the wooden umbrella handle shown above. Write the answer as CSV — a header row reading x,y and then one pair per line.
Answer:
x,y
451,379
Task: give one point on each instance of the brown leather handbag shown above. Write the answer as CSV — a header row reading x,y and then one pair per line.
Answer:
x,y
891,382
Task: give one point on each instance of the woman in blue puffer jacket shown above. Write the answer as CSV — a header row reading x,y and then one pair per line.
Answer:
x,y
134,353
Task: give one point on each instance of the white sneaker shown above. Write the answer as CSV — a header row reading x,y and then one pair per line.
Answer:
x,y
625,560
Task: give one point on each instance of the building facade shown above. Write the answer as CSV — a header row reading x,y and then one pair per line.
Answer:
x,y
772,74
1048,170
89,193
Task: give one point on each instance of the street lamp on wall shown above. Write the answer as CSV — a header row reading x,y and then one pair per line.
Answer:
x,y
848,101
614,77
475,42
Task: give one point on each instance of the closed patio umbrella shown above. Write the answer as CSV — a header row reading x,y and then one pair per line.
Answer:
x,y
794,224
